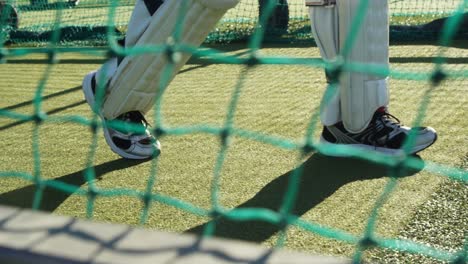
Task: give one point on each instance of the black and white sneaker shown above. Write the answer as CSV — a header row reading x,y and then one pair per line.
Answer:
x,y
130,145
384,134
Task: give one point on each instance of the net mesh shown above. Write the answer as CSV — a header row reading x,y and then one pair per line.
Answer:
x,y
85,22
44,21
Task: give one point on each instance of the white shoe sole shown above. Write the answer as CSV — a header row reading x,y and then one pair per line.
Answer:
x,y
385,151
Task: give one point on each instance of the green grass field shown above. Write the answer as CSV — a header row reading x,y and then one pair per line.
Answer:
x,y
276,100
96,12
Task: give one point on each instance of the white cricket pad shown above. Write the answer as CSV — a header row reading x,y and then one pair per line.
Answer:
x,y
361,94
139,22
138,78
324,20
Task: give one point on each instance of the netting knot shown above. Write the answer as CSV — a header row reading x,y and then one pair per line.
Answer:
x,y
224,136
113,54
333,74
159,132
398,170
215,213
93,126
39,117
437,77
308,148
172,55
146,198
92,193
52,57
283,223
39,184
252,60
367,242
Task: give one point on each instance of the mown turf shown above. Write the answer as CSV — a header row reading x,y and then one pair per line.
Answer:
x,y
441,222
277,100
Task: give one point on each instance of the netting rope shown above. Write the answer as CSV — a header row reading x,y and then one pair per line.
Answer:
x,y
283,217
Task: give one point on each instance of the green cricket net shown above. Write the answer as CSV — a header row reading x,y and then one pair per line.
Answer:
x,y
86,22
54,25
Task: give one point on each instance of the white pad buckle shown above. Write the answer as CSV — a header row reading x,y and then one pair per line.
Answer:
x,y
320,2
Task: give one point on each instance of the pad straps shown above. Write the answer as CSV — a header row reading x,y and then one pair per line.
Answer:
x,y
320,2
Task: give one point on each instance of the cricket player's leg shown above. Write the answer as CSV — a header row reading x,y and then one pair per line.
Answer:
x,y
357,113
132,84
130,145
137,79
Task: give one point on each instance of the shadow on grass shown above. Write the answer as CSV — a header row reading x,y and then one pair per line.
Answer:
x,y
44,98
321,177
51,112
446,60
60,61
53,198
30,102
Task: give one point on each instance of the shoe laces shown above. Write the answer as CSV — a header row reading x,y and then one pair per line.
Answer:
x,y
388,121
134,117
